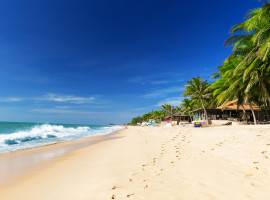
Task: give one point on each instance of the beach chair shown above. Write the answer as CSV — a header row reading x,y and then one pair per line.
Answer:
x,y
197,124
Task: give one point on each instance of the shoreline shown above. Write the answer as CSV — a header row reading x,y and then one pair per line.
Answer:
x,y
37,157
156,163
60,142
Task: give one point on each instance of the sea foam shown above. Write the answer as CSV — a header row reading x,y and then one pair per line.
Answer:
x,y
47,134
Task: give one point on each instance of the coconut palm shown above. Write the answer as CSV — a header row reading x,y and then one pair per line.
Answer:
x,y
187,106
168,109
177,108
253,44
257,24
250,77
146,117
198,90
232,86
158,115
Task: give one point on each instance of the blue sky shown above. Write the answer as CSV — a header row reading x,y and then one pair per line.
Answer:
x,y
104,61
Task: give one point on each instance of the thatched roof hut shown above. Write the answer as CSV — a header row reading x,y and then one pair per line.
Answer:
x,y
233,105
177,118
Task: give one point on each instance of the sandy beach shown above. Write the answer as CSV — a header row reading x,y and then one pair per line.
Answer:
x,y
169,163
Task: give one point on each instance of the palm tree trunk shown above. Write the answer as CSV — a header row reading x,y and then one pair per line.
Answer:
x,y
265,108
245,114
205,112
190,117
253,113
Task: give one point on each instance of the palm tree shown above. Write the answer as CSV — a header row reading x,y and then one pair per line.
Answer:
x,y
232,86
146,117
248,76
253,44
257,24
168,109
187,106
198,89
177,108
158,115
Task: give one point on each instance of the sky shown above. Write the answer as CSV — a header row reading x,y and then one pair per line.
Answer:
x,y
106,61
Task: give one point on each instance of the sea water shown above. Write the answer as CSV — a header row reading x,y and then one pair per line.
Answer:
x,y
21,135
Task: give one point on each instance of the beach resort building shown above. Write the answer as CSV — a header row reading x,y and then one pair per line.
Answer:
x,y
177,118
230,112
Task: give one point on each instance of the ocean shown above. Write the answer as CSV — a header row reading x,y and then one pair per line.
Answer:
x,y
23,135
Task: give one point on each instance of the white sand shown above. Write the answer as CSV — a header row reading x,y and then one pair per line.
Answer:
x,y
158,163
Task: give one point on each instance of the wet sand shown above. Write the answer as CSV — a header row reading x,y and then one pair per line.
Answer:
x,y
226,162
15,165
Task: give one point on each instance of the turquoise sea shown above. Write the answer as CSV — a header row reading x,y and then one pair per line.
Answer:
x,y
22,135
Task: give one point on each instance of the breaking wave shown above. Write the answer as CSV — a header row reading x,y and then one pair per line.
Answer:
x,y
47,133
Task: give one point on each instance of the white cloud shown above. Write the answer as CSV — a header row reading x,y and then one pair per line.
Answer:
x,y
59,111
158,79
52,97
10,99
159,82
70,99
174,101
164,82
164,92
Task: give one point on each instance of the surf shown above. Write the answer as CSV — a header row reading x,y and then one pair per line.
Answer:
x,y
42,134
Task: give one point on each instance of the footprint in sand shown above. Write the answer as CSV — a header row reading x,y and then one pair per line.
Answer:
x,y
130,194
113,196
145,187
